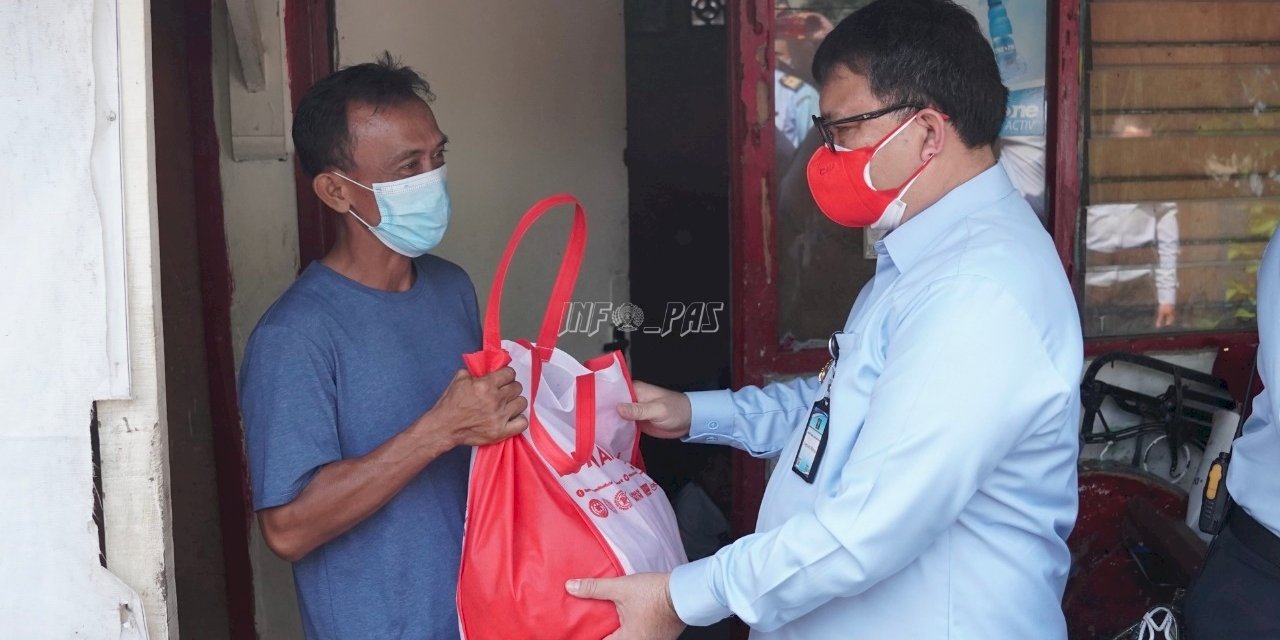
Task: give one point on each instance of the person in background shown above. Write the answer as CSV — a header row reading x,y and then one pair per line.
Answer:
x,y
926,480
1235,596
1131,265
796,103
358,416
797,35
795,99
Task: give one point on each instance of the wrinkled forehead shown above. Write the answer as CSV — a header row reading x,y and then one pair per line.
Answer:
x,y
378,130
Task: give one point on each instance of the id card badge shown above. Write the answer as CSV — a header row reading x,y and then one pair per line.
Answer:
x,y
814,442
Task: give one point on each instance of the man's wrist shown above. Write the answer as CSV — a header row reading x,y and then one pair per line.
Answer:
x,y
431,434
711,416
692,594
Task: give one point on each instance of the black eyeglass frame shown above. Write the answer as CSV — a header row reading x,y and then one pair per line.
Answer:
x,y
829,138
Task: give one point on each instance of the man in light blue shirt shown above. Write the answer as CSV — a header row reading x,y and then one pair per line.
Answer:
x,y
1236,594
939,501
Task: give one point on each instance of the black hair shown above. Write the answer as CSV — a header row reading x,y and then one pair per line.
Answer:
x,y
922,51
320,133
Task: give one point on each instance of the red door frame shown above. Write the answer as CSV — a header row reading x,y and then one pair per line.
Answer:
x,y
307,28
1063,170
754,328
308,50
755,352
234,511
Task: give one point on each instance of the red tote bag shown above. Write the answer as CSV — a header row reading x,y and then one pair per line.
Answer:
x,y
568,498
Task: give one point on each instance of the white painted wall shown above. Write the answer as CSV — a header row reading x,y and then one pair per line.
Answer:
x,y
533,97
57,255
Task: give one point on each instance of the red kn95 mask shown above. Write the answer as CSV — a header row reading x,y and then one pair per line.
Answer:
x,y
840,182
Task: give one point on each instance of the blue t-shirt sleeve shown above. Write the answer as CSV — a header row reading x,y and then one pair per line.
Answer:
x,y
288,403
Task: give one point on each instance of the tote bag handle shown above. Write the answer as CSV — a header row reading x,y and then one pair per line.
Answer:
x,y
492,357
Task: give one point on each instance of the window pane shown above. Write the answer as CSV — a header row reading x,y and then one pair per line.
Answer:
x,y
1182,163
821,266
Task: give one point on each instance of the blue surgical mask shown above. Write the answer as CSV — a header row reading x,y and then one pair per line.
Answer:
x,y
415,211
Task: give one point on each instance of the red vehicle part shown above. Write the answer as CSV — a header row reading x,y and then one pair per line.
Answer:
x,y
1107,590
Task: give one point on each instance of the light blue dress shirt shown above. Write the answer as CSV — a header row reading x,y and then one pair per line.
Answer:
x,y
1252,478
943,502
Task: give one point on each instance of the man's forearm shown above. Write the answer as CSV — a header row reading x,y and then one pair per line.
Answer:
x,y
756,420
344,493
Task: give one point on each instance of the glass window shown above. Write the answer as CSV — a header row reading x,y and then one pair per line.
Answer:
x,y
1182,163
821,266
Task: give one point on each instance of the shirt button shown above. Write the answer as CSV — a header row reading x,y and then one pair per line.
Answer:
x,y
713,424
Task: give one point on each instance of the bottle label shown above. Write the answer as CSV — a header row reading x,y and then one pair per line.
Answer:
x,y
1025,113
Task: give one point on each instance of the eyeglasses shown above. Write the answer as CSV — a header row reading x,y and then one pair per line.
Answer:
x,y
825,126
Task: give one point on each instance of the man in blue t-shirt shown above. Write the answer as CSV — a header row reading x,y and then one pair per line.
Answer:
x,y
358,418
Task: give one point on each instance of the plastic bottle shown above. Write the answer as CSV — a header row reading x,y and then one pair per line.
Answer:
x,y
1012,67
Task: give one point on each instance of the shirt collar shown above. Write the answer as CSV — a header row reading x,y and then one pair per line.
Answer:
x,y
911,241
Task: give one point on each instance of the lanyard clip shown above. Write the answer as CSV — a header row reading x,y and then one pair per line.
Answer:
x,y
833,347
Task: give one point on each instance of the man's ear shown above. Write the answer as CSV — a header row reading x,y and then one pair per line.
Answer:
x,y
333,191
936,133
